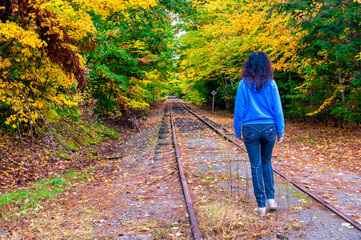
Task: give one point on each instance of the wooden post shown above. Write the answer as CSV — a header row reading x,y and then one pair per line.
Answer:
x,y
214,94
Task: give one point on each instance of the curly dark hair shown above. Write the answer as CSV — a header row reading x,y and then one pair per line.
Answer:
x,y
257,69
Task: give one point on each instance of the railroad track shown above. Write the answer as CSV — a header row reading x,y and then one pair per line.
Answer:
x,y
182,124
221,131
187,195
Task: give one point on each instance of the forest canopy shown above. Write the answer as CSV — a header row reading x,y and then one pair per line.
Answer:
x,y
59,55
314,46
120,56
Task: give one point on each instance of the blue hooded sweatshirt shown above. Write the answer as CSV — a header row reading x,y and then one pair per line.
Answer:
x,y
258,107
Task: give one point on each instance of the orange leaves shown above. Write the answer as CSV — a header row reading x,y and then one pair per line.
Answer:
x,y
144,60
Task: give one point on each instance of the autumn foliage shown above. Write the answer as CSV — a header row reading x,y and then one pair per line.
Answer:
x,y
45,47
314,45
56,55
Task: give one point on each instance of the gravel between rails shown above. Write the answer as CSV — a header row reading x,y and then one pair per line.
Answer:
x,y
149,203
309,219
138,204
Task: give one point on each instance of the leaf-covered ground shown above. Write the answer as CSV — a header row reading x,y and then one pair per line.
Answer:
x,y
325,159
114,195
114,198
41,182
71,145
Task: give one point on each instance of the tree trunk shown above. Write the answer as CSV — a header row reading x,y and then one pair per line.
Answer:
x,y
226,92
340,81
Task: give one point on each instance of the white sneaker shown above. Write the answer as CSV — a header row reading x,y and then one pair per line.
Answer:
x,y
272,204
260,210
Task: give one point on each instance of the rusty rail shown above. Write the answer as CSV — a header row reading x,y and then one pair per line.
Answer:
x,y
187,195
212,127
296,184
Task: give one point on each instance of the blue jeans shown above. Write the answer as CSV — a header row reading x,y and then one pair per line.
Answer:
x,y
259,140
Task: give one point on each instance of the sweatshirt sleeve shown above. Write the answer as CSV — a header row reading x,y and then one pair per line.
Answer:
x,y
277,111
239,109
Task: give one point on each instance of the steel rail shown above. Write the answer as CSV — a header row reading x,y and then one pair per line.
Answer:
x,y
319,199
187,195
212,127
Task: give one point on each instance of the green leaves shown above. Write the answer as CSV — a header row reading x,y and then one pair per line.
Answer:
x,y
329,51
131,46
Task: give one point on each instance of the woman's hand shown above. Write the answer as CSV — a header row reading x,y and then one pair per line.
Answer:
x,y
239,139
279,140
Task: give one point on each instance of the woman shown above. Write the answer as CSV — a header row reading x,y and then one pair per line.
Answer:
x,y
258,116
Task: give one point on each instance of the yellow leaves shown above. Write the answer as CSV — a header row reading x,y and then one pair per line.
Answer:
x,y
105,7
10,31
295,224
11,121
236,28
48,84
78,23
327,102
137,104
4,63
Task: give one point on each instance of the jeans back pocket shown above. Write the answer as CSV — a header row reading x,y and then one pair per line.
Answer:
x,y
271,133
248,135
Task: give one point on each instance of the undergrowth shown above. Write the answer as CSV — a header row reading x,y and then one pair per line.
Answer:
x,y
45,152
29,200
78,133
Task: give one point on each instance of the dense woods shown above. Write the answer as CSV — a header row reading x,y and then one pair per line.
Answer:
x,y
57,56
314,45
68,66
